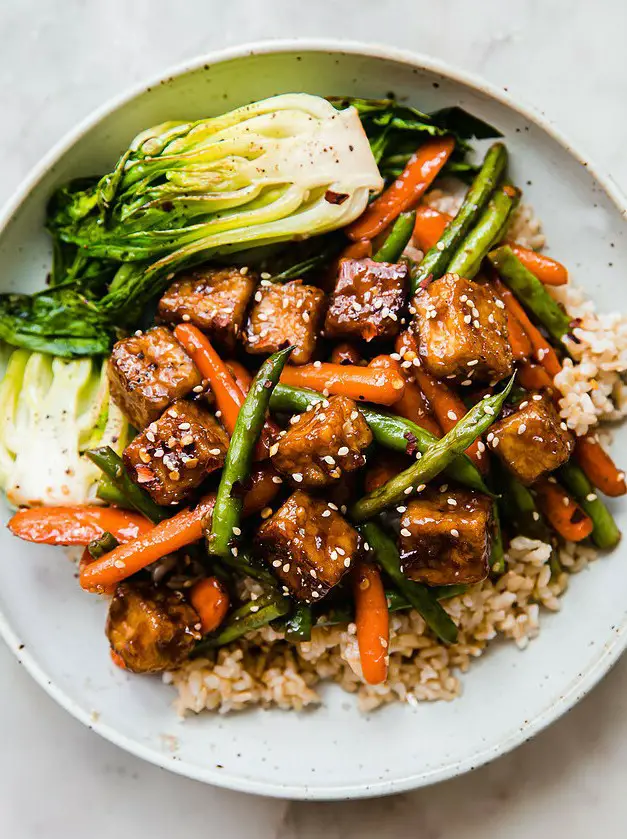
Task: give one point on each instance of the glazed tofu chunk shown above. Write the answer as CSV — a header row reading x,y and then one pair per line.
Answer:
x,y
533,440
461,330
176,452
445,538
147,372
213,299
308,545
368,300
284,314
323,444
152,629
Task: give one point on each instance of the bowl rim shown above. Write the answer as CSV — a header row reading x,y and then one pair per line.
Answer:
x,y
576,690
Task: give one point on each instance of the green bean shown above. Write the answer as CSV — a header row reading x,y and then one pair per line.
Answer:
x,y
102,545
487,232
398,238
531,293
111,464
395,433
497,552
435,459
253,615
239,456
605,533
436,260
298,627
107,491
520,508
418,595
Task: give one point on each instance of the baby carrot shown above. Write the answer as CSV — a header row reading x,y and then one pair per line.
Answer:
x,y
76,525
372,622
385,387
211,601
564,514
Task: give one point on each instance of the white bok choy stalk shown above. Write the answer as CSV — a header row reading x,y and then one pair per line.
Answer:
x,y
51,411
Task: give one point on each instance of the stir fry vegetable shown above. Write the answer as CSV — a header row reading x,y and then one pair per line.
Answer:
x,y
226,513
437,457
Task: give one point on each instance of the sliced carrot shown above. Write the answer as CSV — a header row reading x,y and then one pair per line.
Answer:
x,y
228,396
264,486
448,409
412,404
548,271
599,466
76,525
406,191
166,537
345,354
372,620
384,387
543,351
534,377
430,225
87,559
564,514
211,601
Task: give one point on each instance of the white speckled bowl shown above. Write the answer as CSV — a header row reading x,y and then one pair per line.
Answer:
x,y
56,630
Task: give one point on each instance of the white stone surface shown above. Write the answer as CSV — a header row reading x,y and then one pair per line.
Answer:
x,y
61,58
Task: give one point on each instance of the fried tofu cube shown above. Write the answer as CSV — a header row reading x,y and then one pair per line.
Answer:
x,y
177,452
368,300
308,545
445,538
324,442
147,372
461,330
213,299
533,440
152,629
283,315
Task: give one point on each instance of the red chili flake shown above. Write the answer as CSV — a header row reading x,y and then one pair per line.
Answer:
x,y
336,197
143,474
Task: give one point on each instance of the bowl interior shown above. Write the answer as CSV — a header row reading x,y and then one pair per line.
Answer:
x,y
333,751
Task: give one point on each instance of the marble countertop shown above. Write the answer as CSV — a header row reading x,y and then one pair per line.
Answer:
x,y
61,59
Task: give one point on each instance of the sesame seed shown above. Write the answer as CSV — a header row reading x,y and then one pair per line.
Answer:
x,y
276,563
591,496
467,318
467,382
440,246
488,409
198,389
158,452
258,296
563,426
354,415
254,608
218,414
328,459
500,304
495,442
237,531
480,446
215,451
234,551
343,450
286,567
315,594
398,384
401,509
537,397
454,532
297,477
566,501
332,505
405,532
522,428
347,562
276,479
463,298
452,415
266,512
333,554
421,487
265,275
535,515
476,324
475,312
274,449
325,514
409,490
244,270
473,362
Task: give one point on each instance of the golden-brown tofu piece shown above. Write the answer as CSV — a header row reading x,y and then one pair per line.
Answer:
x,y
213,299
148,371
533,440
176,453
445,538
283,315
152,629
308,545
461,330
324,442
368,300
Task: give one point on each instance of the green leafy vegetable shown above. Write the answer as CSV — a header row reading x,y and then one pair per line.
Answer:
x,y
52,411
